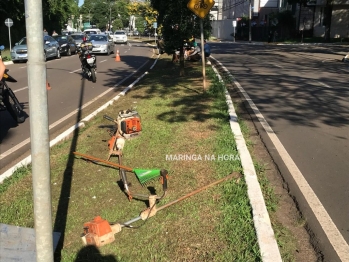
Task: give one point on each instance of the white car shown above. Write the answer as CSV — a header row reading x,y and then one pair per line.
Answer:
x,y
120,36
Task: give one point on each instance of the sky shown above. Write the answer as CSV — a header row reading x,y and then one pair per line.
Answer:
x,y
81,2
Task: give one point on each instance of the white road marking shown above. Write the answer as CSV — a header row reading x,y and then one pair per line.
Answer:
x,y
103,61
71,72
276,65
23,143
23,88
323,84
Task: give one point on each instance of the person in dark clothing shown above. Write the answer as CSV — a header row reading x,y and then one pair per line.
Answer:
x,y
207,49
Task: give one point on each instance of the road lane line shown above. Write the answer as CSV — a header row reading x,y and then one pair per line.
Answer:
x,y
71,72
323,84
334,236
17,90
25,142
103,61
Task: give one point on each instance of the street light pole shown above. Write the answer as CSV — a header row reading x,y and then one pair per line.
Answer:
x,y
110,4
109,18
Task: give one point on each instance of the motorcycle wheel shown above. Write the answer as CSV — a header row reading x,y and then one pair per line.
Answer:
x,y
93,75
13,107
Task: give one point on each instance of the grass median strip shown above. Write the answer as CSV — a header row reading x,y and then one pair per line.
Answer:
x,y
184,131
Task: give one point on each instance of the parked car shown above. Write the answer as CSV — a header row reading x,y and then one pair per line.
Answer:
x,y
92,31
78,38
102,44
67,44
51,49
120,37
135,33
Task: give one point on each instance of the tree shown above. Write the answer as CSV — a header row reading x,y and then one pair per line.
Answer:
x,y
145,13
178,25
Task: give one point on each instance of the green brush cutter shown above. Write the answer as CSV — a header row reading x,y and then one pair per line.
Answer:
x,y
143,175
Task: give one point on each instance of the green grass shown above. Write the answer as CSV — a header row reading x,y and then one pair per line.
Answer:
x,y
6,55
177,119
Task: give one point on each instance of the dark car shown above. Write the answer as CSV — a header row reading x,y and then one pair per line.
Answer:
x,y
67,44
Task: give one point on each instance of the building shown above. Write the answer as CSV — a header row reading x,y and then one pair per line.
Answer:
x,y
310,18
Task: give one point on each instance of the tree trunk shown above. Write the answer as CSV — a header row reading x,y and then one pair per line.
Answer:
x,y
327,20
181,62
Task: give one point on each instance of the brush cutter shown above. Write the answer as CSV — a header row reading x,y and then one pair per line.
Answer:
x,y
127,126
100,232
143,175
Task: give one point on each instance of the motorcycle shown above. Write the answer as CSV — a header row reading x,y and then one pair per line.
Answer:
x,y
88,61
9,100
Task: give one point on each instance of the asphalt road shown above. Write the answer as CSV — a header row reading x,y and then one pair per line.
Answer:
x,y
68,91
302,92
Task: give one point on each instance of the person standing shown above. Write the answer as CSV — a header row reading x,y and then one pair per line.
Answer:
x,y
54,33
2,71
45,32
207,49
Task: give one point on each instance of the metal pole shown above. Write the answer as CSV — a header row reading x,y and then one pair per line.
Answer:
x,y
203,54
234,34
250,22
39,132
9,36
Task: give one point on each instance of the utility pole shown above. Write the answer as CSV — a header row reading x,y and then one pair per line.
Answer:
x,y
250,22
39,132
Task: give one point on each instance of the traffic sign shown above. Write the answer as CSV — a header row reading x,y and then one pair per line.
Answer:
x,y
8,22
200,7
155,25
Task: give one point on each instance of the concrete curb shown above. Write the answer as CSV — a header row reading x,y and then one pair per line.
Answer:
x,y
66,134
265,234
8,63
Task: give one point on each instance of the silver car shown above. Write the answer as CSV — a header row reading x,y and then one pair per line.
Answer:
x,y
51,49
102,44
78,38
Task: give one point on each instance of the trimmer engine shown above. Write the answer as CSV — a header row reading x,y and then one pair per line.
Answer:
x,y
127,126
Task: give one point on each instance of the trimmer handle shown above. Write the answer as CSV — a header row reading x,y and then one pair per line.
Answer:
x,y
164,177
109,118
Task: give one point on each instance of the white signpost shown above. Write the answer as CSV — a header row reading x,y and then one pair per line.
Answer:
x,y
9,23
234,25
155,25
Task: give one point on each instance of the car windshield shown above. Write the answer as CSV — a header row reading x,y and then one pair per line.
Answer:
x,y
90,32
119,33
23,41
98,38
61,37
77,37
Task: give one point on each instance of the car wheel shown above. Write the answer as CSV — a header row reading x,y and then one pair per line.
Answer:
x,y
45,57
58,56
69,52
108,52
